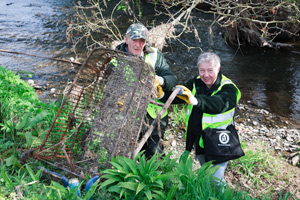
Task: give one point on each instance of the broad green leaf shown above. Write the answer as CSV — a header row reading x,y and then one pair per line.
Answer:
x,y
112,171
148,194
140,187
159,195
24,120
156,196
228,194
132,165
11,160
111,176
172,192
137,157
107,182
130,175
166,176
150,163
38,118
124,165
6,145
141,167
115,189
129,185
38,174
58,187
158,183
29,139
31,173
123,190
92,190
116,164
206,166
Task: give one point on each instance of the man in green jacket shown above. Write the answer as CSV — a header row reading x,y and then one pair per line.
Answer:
x,y
136,44
212,98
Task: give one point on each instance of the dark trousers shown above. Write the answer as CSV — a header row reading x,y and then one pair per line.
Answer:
x,y
153,143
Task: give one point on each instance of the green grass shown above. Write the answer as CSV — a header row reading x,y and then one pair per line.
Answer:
x,y
177,114
261,172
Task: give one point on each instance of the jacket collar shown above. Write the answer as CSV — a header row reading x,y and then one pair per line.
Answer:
x,y
216,85
124,47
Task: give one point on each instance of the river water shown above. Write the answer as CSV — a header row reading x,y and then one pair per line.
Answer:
x,y
267,78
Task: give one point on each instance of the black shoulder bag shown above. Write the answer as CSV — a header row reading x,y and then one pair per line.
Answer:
x,y
221,145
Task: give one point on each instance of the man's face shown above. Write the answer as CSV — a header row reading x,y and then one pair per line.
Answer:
x,y
136,46
208,73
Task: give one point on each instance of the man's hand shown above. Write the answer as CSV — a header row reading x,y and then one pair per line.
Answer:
x,y
186,95
157,85
184,156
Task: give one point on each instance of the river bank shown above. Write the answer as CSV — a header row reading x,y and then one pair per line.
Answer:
x,y
262,133
267,138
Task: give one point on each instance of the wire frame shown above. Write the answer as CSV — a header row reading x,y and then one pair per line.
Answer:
x,y
101,114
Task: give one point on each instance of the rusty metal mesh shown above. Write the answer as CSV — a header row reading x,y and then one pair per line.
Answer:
x,y
101,114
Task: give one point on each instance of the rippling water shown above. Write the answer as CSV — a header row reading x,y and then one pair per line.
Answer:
x,y
38,28
268,78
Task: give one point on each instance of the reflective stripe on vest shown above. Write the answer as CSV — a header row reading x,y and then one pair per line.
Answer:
x,y
222,120
151,59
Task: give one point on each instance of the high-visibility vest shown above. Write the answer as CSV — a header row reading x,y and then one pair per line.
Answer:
x,y
150,59
152,109
222,120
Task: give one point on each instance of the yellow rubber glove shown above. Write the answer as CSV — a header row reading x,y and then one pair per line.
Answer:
x,y
186,95
160,91
160,79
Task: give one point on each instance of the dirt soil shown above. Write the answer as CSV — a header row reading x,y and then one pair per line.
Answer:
x,y
284,178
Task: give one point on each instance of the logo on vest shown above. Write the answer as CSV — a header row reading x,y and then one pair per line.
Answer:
x,y
223,139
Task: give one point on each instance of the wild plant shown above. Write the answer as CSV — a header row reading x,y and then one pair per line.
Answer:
x,y
24,118
178,115
20,183
254,165
136,179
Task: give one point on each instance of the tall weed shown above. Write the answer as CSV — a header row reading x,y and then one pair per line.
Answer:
x,y
23,117
178,115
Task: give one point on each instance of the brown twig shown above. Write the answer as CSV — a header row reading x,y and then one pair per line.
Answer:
x,y
67,156
56,59
57,166
18,188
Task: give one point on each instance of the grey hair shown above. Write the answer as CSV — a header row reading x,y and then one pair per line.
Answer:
x,y
210,57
